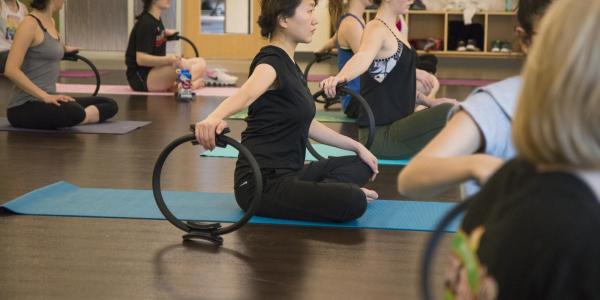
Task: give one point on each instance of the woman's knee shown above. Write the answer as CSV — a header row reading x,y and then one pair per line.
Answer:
x,y
361,170
198,62
442,110
72,114
161,79
356,206
108,108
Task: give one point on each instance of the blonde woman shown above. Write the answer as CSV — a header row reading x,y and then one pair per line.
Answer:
x,y
533,228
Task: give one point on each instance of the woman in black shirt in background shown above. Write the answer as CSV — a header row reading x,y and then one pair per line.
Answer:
x,y
149,68
532,231
280,121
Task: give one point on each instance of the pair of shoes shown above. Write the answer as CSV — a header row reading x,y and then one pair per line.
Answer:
x,y
470,45
428,44
418,5
219,77
501,46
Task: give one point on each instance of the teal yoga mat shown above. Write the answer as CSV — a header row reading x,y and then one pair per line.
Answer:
x,y
324,150
65,199
321,116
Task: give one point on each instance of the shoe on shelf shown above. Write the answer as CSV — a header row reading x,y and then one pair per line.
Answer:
x,y
461,46
418,5
433,44
218,77
496,46
506,47
472,45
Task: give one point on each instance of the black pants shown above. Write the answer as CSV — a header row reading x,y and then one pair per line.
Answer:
x,y
3,59
404,138
138,79
40,115
353,109
327,190
427,62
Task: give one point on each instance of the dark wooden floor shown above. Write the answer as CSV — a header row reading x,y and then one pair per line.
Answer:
x,y
88,258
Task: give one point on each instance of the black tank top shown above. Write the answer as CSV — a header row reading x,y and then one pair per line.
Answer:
x,y
394,98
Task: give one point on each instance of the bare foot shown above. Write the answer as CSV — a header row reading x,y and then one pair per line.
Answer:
x,y
371,195
92,115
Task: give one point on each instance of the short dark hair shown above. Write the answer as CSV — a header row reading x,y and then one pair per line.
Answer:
x,y
39,4
527,12
271,10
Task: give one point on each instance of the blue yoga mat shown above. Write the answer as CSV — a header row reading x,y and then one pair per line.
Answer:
x,y
324,150
65,199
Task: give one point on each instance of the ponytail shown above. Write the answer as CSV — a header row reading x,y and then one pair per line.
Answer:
x,y
147,6
336,9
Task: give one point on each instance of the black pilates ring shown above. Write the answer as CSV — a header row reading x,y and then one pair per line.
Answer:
x,y
177,37
206,231
343,90
74,56
319,57
431,246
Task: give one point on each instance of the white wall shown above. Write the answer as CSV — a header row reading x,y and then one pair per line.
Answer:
x,y
236,16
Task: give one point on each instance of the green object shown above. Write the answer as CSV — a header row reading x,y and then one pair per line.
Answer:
x,y
460,247
404,138
321,116
496,46
508,5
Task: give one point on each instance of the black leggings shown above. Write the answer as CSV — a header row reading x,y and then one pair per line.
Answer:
x,y
40,115
327,190
3,59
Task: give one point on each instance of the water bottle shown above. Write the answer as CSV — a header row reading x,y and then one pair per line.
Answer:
x,y
184,78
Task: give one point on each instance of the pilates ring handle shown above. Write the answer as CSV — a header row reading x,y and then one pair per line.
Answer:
x,y
206,231
319,57
177,37
431,246
74,56
343,90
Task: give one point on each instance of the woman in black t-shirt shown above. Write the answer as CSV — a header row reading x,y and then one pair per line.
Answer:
x,y
280,121
149,68
532,231
387,65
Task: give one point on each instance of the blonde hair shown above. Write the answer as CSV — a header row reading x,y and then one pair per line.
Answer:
x,y
558,116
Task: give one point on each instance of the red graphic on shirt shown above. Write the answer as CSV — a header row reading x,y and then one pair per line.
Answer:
x,y
160,37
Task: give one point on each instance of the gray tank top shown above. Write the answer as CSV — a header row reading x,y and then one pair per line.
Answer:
x,y
41,65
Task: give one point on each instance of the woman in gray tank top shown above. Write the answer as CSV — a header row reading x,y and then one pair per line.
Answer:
x,y
33,66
